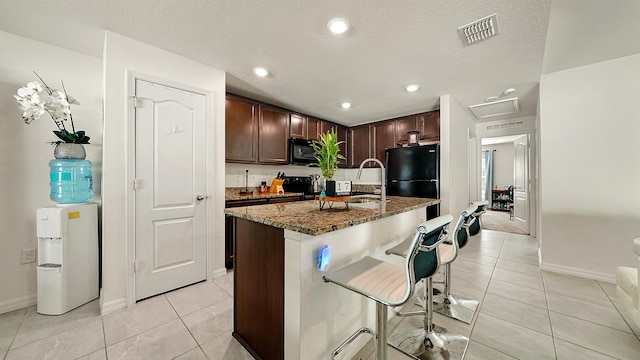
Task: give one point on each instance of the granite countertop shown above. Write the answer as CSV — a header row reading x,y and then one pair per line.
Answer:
x,y
307,218
234,194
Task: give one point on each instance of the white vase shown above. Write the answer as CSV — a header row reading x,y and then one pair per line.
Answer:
x,y
69,151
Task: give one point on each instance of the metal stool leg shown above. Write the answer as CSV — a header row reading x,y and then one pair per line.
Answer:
x,y
432,339
426,341
419,296
457,308
381,331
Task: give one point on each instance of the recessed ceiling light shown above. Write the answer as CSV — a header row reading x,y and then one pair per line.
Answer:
x,y
260,71
338,25
412,87
491,99
346,105
509,91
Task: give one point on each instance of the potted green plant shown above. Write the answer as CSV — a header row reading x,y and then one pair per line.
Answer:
x,y
327,154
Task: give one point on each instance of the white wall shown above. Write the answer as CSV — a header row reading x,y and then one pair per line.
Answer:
x,y
25,153
502,164
589,168
455,126
121,56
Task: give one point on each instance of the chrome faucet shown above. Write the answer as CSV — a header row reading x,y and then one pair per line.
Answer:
x,y
383,183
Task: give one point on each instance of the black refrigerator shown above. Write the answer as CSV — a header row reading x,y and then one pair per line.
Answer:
x,y
414,171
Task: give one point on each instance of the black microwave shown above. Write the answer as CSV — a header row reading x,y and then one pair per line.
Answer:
x,y
301,152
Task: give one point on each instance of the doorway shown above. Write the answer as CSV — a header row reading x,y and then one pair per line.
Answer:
x,y
505,183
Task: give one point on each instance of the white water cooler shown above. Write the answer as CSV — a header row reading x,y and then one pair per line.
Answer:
x,y
67,267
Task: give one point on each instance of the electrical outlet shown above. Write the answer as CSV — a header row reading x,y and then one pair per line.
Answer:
x,y
28,256
238,180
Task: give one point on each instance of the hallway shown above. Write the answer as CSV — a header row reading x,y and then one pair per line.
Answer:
x,y
499,221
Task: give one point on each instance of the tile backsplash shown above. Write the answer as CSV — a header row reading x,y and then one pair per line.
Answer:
x,y
235,174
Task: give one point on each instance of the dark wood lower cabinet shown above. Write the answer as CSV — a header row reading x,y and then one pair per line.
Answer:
x,y
258,301
228,241
229,229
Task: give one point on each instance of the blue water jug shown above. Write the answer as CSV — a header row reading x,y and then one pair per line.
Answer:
x,y
70,180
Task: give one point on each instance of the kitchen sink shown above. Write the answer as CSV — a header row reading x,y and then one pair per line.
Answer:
x,y
364,199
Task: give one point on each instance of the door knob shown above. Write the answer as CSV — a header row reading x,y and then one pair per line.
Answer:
x,y
201,197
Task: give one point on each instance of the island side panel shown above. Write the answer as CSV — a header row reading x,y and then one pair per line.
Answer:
x,y
259,289
318,315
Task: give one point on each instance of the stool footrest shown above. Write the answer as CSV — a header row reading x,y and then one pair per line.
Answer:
x,y
351,339
409,313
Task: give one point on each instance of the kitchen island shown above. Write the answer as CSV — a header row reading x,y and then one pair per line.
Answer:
x,y
282,308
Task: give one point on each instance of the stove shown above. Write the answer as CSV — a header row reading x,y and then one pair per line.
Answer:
x,y
301,184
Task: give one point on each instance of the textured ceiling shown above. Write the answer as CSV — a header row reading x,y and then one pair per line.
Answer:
x,y
589,31
390,44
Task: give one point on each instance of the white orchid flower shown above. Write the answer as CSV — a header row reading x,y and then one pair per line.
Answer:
x,y
72,100
36,98
35,86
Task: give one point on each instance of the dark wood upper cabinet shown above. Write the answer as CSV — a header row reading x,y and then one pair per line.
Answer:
x,y
259,133
429,125
360,145
384,137
241,127
273,135
298,128
313,128
326,126
403,126
342,134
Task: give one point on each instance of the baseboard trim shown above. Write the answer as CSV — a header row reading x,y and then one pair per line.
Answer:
x,y
219,272
112,306
18,303
593,275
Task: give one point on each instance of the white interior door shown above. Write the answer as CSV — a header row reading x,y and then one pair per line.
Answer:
x,y
521,183
170,244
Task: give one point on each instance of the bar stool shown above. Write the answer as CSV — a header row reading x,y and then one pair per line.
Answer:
x,y
446,304
423,339
391,285
481,205
456,307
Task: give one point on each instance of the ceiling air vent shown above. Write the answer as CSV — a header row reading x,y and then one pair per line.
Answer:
x,y
495,108
506,125
479,30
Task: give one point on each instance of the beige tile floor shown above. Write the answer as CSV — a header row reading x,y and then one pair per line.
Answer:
x,y
524,313
190,323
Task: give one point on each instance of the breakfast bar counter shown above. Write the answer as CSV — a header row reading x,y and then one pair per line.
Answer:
x,y
307,218
282,308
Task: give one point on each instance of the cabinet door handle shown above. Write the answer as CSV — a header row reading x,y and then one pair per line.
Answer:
x,y
201,197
